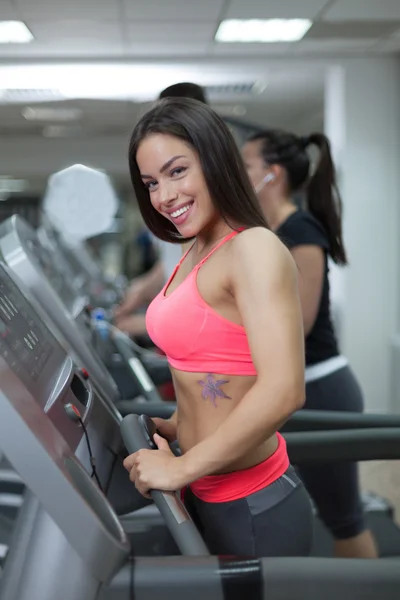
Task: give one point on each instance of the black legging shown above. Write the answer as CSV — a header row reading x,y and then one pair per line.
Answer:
x,y
334,487
276,521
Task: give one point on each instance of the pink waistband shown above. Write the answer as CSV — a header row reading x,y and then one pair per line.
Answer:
x,y
240,484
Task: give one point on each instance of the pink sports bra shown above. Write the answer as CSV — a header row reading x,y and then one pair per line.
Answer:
x,y
192,334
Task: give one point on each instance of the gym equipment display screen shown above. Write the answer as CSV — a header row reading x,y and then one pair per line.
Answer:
x,y
25,344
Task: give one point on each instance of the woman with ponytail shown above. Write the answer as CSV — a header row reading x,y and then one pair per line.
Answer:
x,y
279,167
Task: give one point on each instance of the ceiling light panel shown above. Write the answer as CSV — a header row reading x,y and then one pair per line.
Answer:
x,y
139,82
262,30
14,32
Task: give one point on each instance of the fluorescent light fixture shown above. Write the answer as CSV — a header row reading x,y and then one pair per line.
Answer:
x,y
31,113
262,30
104,81
61,131
11,185
100,81
14,32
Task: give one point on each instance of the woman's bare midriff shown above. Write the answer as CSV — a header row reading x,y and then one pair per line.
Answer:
x,y
202,407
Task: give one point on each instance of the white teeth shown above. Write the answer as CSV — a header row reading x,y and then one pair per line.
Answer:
x,y
180,211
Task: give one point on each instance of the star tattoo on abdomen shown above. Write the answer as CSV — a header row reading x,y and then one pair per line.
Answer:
x,y
211,389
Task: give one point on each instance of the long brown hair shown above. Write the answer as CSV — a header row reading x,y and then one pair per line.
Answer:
x,y
200,127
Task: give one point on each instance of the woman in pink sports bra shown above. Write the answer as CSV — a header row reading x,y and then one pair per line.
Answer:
x,y
229,320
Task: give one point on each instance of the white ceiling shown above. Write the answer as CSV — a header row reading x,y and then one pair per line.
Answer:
x,y
150,28
180,34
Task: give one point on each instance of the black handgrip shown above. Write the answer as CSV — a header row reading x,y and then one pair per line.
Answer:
x,y
149,429
179,523
163,410
343,445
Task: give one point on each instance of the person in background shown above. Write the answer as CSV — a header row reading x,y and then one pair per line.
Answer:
x,y
145,287
146,249
278,165
235,385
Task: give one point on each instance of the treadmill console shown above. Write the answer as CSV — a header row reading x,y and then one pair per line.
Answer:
x,y
21,342
32,353
15,233
61,319
26,345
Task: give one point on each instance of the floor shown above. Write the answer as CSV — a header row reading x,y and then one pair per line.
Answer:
x,y
383,478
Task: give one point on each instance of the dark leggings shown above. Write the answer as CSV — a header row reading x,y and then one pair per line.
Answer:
x,y
276,521
334,487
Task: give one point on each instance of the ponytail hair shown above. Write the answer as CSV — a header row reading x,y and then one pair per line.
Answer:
x,y
323,198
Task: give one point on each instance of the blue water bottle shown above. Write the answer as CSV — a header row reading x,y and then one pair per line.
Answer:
x,y
99,323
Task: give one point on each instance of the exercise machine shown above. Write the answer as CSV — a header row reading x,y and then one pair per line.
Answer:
x,y
69,543
65,443
68,313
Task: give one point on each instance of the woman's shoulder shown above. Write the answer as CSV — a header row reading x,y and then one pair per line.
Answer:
x,y
256,238
260,247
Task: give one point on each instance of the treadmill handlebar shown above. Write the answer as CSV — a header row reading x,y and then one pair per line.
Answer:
x,y
303,578
343,445
318,420
136,367
300,421
179,523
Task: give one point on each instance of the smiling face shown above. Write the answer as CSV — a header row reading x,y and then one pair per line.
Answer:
x,y
171,171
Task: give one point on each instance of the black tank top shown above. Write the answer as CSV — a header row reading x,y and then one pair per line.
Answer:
x,y
300,229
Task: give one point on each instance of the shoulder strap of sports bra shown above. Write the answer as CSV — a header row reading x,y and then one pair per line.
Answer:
x,y
195,269
185,254
221,243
